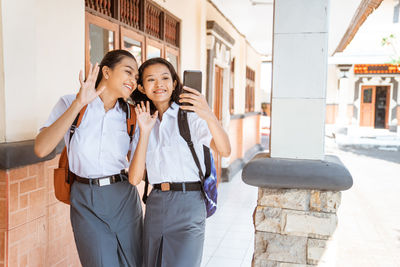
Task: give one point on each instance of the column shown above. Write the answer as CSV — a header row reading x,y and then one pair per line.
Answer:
x,y
299,187
341,118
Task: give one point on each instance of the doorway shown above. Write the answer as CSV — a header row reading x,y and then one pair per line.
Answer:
x,y
374,110
217,108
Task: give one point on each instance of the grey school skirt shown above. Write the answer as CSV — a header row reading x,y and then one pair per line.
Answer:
x,y
107,222
174,227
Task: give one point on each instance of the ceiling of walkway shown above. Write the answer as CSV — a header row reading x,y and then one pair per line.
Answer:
x,y
254,19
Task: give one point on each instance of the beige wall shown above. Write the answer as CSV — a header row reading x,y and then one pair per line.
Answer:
x,y
193,32
244,55
2,91
332,87
43,51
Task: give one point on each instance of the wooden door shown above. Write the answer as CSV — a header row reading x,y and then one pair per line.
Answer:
x,y
367,109
382,100
387,107
217,108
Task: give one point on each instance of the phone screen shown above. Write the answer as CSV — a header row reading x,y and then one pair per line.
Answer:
x,y
192,79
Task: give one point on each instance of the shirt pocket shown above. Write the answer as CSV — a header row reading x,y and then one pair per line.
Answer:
x,y
117,139
119,143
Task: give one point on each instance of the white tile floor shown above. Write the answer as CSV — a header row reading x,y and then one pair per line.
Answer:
x,y
229,237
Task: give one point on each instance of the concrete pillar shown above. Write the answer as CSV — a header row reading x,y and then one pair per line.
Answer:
x,y
299,187
299,78
341,118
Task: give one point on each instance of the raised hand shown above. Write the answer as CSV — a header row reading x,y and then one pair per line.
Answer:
x,y
145,120
87,92
200,105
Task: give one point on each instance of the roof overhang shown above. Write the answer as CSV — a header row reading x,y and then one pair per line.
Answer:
x,y
365,8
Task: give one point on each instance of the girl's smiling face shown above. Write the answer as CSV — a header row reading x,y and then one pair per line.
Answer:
x,y
158,84
122,79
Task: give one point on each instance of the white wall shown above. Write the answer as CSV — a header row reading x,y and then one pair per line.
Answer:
x,y
332,87
2,91
265,81
43,48
193,31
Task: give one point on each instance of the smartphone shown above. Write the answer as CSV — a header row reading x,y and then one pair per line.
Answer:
x,y
192,79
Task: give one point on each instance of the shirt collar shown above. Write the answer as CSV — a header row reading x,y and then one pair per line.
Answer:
x,y
98,103
172,110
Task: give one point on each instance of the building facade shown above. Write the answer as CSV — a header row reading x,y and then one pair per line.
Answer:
x,y
363,82
43,46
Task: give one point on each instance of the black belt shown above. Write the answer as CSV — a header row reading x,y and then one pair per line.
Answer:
x,y
191,186
103,180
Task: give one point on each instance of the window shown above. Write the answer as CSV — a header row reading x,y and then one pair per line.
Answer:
x,y
232,88
172,55
250,84
134,43
396,12
101,36
138,26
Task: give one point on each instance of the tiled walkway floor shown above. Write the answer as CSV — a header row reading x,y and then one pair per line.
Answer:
x,y
229,232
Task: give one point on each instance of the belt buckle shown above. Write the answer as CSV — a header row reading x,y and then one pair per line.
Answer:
x,y
165,187
104,181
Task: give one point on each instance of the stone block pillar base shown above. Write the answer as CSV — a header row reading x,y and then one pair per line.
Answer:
x,y
293,226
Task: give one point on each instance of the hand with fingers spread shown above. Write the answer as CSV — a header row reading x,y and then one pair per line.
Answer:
x,y
87,92
145,120
199,102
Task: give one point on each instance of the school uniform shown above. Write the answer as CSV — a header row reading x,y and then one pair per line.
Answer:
x,y
106,220
174,222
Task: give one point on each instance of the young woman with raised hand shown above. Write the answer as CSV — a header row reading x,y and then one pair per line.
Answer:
x,y
175,210
106,213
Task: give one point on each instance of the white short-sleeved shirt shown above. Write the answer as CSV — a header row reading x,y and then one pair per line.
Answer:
x,y
168,157
100,144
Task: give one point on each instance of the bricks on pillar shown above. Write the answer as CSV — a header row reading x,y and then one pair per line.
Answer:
x,y
293,226
38,225
3,216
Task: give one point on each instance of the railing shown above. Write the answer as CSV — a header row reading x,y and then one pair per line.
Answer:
x,y
171,30
142,15
105,7
130,12
153,20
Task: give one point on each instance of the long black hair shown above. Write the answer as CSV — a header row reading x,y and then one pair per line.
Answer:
x,y
138,96
111,59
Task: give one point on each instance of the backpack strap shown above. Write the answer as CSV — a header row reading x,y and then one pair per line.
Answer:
x,y
185,133
130,120
146,188
207,160
75,124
